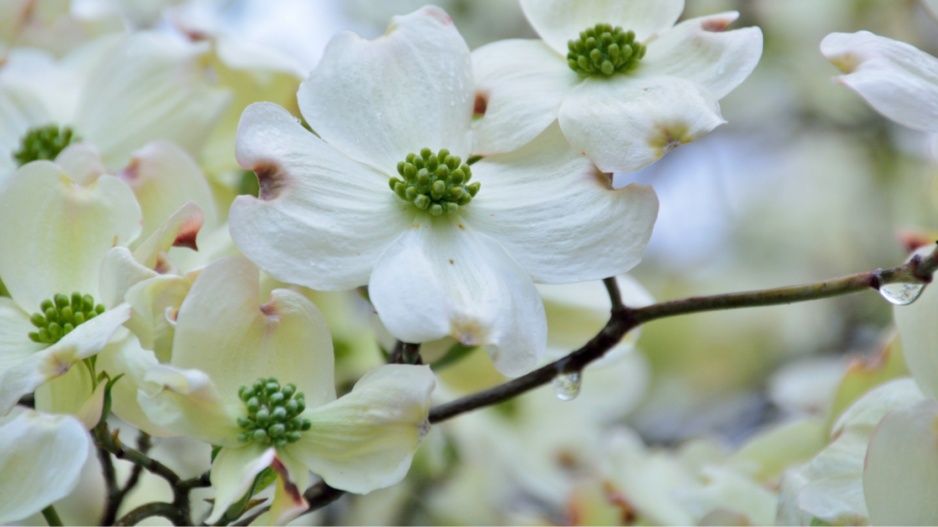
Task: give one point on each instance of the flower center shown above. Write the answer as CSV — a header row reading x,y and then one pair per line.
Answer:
x,y
59,316
272,413
436,183
603,51
44,143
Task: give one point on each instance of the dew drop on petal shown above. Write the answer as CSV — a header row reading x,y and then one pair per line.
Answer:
x,y
902,293
567,385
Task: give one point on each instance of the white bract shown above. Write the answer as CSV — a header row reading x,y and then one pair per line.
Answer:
x,y
41,457
895,78
660,88
341,209
227,344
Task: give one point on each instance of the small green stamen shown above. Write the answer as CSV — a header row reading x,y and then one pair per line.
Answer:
x,y
603,51
437,183
62,314
44,143
272,413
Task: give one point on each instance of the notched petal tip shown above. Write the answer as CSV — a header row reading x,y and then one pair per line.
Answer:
x,y
190,231
480,105
719,23
468,331
603,178
271,180
665,137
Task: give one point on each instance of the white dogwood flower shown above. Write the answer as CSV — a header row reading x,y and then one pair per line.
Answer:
x,y
382,195
258,380
625,83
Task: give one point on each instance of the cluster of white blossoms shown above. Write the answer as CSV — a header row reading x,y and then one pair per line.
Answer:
x,y
144,286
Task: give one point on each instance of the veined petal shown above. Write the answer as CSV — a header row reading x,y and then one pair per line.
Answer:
x,y
119,272
699,50
165,178
223,330
896,79
626,123
559,21
54,233
179,230
41,457
233,471
186,402
901,470
14,334
365,440
17,378
532,199
379,100
148,86
293,231
441,278
919,335
519,87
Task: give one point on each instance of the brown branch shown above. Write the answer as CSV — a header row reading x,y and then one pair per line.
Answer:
x,y
405,353
918,269
166,510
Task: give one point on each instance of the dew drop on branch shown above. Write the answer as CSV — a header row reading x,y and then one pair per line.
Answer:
x,y
902,293
567,385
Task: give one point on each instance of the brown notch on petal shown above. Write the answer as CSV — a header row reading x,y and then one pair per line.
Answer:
x,y
189,231
131,172
269,309
603,178
481,105
291,489
715,25
270,180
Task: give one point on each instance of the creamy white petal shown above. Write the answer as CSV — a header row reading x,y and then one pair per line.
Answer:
x,y
901,470
15,328
322,219
66,394
557,215
699,50
148,86
82,162
896,79
41,457
119,272
379,100
625,123
30,371
366,439
179,230
441,278
186,402
233,471
223,330
127,358
519,87
559,21
55,233
156,304
919,335
165,178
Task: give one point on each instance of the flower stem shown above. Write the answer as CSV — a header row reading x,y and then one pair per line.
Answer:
x,y
51,516
623,319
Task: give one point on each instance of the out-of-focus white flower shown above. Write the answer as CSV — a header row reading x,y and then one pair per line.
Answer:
x,y
625,93
146,85
223,386
898,80
41,457
438,259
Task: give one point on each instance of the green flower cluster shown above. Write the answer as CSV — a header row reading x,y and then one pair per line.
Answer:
x,y
273,413
604,50
59,316
44,143
436,183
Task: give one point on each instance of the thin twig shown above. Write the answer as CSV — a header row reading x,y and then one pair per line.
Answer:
x,y
405,353
623,319
159,508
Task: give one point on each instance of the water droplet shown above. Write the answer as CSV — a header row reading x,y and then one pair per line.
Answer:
x,y
567,385
902,293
